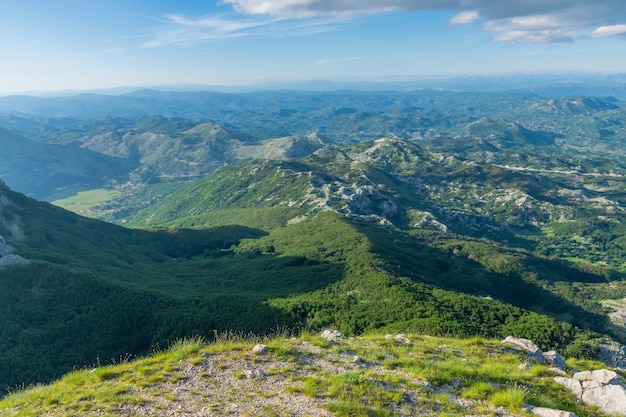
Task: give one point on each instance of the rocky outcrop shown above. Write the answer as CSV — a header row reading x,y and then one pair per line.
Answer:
x,y
554,359
602,388
613,354
532,350
7,258
5,249
11,260
571,384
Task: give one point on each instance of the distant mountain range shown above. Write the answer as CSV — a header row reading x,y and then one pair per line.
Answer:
x,y
148,134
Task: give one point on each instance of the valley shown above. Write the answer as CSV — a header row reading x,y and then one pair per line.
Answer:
x,y
436,213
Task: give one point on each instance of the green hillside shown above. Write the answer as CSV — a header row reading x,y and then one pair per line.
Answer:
x,y
372,375
121,291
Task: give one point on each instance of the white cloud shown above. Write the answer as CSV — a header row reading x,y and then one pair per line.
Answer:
x,y
537,36
612,30
334,60
311,8
465,17
510,21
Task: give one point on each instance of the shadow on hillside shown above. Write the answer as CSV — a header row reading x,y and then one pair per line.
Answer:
x,y
528,285
187,243
60,319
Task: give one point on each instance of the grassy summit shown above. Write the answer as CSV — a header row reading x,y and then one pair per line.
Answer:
x,y
370,375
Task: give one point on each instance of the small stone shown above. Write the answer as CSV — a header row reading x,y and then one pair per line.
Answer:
x,y
402,339
333,335
357,360
558,371
259,348
254,373
550,412
388,336
524,366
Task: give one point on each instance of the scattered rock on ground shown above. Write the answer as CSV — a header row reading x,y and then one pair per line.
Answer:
x,y
254,373
259,348
549,412
531,349
333,335
558,371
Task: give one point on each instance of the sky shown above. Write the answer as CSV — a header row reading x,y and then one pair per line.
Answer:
x,y
53,45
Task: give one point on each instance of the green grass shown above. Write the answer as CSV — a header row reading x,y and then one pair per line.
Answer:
x,y
511,398
84,201
413,385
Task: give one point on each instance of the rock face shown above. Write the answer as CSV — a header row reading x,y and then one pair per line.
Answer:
x,y
602,388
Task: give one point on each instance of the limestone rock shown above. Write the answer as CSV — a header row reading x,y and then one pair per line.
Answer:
x,y
613,355
524,366
611,399
333,335
571,384
557,371
549,412
401,339
555,359
602,388
254,373
604,376
531,349
259,348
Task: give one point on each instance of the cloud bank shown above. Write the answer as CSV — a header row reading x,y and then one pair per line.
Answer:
x,y
518,21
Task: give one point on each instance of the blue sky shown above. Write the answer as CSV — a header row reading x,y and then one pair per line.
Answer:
x,y
88,44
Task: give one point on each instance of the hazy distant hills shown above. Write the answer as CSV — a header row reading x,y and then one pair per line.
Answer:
x,y
148,134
